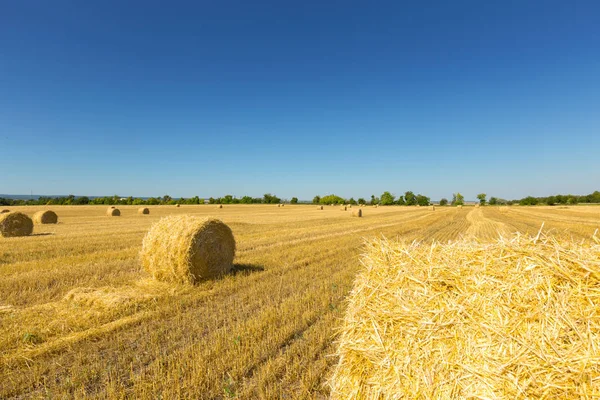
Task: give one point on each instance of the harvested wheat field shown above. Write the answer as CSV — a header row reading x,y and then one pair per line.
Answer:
x,y
80,317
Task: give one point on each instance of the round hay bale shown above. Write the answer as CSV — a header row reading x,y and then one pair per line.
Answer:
x,y
113,212
177,205
432,208
220,206
282,204
278,205
344,208
15,224
187,249
45,217
357,213
143,210
319,207
459,206
4,211
349,205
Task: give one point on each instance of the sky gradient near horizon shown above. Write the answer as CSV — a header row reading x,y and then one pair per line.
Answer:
x,y
300,98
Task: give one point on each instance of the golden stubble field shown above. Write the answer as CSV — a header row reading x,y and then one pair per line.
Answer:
x,y
79,318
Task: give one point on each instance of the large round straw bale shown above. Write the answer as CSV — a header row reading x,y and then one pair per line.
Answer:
x,y
113,212
177,205
187,249
143,210
45,217
220,206
319,207
357,213
15,224
4,211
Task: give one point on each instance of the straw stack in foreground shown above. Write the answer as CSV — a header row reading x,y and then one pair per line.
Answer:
x,y
187,249
45,217
15,224
518,318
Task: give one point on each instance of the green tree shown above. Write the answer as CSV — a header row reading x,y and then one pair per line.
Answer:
x,y
246,200
410,199
493,201
387,199
269,198
422,200
316,199
444,202
352,201
481,197
332,199
294,200
361,201
458,199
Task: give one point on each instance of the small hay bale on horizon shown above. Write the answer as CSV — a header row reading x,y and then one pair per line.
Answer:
x,y
15,224
432,208
357,213
319,207
5,211
220,206
344,208
143,210
512,319
177,205
188,249
113,212
45,217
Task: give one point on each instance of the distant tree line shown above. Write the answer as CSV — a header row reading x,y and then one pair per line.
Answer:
x,y
118,200
386,199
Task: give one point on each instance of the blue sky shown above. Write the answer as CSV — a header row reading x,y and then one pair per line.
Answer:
x,y
300,98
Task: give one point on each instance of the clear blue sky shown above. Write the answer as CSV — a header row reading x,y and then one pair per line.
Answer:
x,y
299,98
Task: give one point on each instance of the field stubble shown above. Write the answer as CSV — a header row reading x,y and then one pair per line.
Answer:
x,y
78,317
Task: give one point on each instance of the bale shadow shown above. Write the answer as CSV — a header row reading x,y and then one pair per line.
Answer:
x,y
42,234
246,269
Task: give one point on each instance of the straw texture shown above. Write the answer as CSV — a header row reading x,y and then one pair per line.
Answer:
x,y
15,224
515,319
113,212
187,249
45,217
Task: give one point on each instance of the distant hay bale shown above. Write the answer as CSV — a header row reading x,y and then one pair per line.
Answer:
x,y
432,208
515,318
279,205
113,212
187,249
220,206
282,204
344,208
143,210
45,217
15,224
4,211
477,205
177,205
112,207
319,207
349,205
357,213
459,206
